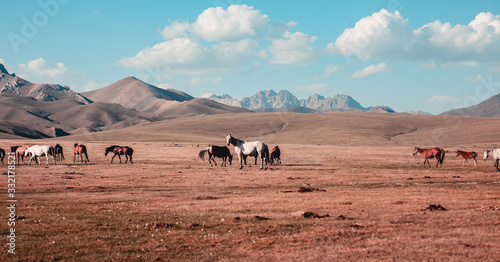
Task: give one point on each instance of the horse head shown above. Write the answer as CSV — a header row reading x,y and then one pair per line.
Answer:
x,y
228,139
230,159
486,154
458,152
108,149
415,151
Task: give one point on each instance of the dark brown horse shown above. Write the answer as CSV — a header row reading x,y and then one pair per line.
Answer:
x,y
59,152
275,156
80,150
216,151
467,155
120,151
2,155
436,152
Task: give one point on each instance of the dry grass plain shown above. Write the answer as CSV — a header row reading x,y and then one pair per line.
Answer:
x,y
171,206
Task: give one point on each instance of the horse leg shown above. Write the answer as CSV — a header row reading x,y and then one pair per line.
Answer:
x,y
126,159
119,157
131,159
496,164
475,162
112,158
240,158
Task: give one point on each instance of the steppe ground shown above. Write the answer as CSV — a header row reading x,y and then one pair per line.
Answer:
x,y
368,202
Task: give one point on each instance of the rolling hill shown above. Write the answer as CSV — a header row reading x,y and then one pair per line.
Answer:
x,y
131,92
487,108
30,118
340,128
12,85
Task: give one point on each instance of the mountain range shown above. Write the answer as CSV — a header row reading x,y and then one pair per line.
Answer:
x,y
269,100
51,110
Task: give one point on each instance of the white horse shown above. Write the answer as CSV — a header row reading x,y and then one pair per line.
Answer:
x,y
495,153
243,148
37,151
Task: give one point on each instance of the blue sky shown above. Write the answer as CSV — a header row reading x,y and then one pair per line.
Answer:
x,y
408,55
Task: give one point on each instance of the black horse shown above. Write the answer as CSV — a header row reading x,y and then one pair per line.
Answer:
x,y
216,151
275,156
59,152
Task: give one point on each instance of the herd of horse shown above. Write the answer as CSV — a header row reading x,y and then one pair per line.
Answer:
x,y
56,153
242,149
440,153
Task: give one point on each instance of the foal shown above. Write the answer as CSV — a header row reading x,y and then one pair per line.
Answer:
x,y
467,155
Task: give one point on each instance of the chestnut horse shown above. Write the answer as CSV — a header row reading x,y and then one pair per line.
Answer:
x,y
120,150
216,151
19,150
436,152
467,155
80,150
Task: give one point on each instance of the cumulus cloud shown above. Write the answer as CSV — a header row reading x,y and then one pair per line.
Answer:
x,y
387,35
40,70
293,49
224,39
234,23
216,24
177,29
372,69
191,57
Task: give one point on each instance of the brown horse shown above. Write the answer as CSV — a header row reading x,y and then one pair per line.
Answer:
x,y
80,150
19,150
120,150
436,152
467,155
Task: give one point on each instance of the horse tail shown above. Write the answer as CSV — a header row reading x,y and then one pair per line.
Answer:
x,y
84,151
266,152
203,152
443,153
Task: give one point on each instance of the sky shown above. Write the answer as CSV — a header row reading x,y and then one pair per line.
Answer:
x,y
406,54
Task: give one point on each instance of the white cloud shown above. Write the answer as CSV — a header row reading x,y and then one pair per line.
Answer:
x,y
40,68
187,56
177,29
442,99
372,69
293,49
387,35
234,23
474,78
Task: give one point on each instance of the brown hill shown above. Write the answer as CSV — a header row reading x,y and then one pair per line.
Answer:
x,y
487,108
341,128
29,118
12,85
131,92
201,106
